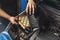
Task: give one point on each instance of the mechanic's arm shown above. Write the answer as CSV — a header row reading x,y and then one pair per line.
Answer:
x,y
10,18
30,7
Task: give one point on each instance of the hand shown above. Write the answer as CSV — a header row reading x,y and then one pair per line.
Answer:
x,y
30,7
13,20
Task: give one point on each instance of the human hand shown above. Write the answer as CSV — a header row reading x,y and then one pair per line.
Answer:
x,y
30,7
13,20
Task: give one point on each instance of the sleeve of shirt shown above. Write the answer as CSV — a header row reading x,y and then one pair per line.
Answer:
x,y
5,36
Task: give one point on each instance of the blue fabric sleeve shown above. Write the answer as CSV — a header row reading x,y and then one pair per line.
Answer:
x,y
5,36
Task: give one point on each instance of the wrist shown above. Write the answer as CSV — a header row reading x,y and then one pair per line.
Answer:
x,y
9,18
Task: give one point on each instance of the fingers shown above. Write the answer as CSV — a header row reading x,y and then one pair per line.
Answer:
x,y
27,9
30,9
13,20
33,9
